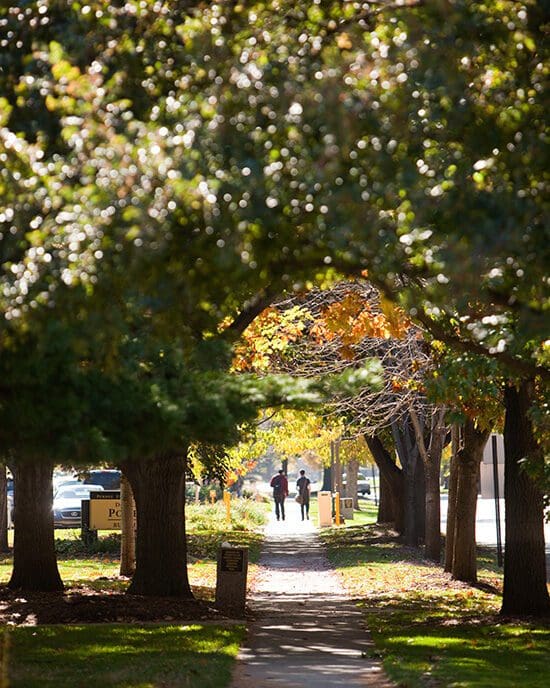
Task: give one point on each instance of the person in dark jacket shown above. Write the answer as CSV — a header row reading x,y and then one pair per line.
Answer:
x,y
279,483
303,487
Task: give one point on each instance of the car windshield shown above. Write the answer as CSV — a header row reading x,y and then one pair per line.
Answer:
x,y
76,492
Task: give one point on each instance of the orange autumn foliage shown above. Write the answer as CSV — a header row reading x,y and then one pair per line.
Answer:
x,y
352,319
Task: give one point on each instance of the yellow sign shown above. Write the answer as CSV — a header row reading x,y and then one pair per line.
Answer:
x,y
105,511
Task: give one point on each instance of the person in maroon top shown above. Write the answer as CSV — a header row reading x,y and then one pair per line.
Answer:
x,y
279,483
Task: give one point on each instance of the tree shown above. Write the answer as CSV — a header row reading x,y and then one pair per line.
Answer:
x,y
4,506
470,385
461,540
39,429
345,323
271,142
525,590
392,485
430,452
127,527
127,208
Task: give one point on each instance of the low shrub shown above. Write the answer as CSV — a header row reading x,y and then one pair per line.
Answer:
x,y
73,546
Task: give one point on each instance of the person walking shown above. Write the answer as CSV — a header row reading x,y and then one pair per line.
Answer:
x,y
303,486
279,483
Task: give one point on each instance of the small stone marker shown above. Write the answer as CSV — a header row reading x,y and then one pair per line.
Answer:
x,y
346,507
231,579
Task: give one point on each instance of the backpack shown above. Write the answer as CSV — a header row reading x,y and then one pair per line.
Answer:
x,y
277,486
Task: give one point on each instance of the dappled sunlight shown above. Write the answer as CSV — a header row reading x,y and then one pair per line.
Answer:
x,y
133,656
305,629
476,656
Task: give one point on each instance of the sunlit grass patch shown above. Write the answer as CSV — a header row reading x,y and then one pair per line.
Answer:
x,y
364,516
245,515
96,566
122,655
430,629
460,647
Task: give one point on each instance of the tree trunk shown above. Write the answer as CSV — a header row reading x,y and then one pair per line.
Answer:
x,y
3,510
386,513
352,469
337,476
128,535
332,471
392,476
432,537
430,447
464,565
158,484
34,560
414,485
417,500
525,590
438,432
451,503
327,479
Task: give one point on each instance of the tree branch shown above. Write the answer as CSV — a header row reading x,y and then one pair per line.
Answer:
x,y
252,308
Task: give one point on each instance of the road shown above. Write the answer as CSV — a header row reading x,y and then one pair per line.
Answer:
x,y
486,529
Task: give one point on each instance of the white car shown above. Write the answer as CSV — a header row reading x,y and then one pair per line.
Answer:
x,y
67,506
363,485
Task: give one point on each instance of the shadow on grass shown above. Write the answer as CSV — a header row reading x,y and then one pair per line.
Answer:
x,y
430,641
122,655
431,630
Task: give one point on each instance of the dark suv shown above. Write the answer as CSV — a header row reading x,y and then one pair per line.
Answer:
x,y
108,478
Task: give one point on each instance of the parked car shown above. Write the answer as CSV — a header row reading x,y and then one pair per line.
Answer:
x,y
363,485
67,506
109,478
67,483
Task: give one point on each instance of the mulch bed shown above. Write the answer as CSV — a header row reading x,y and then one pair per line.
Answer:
x,y
78,606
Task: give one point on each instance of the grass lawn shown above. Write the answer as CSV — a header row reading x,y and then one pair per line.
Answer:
x,y
430,630
122,656
97,567
135,655
367,513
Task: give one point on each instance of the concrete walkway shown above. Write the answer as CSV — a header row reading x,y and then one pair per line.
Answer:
x,y
305,632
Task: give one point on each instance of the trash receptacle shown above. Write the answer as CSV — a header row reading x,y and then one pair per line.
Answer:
x,y
324,501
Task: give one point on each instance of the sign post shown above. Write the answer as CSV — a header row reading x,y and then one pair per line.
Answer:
x,y
497,498
105,510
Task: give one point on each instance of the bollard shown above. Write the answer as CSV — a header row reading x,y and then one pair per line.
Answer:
x,y
227,502
212,496
337,509
232,571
